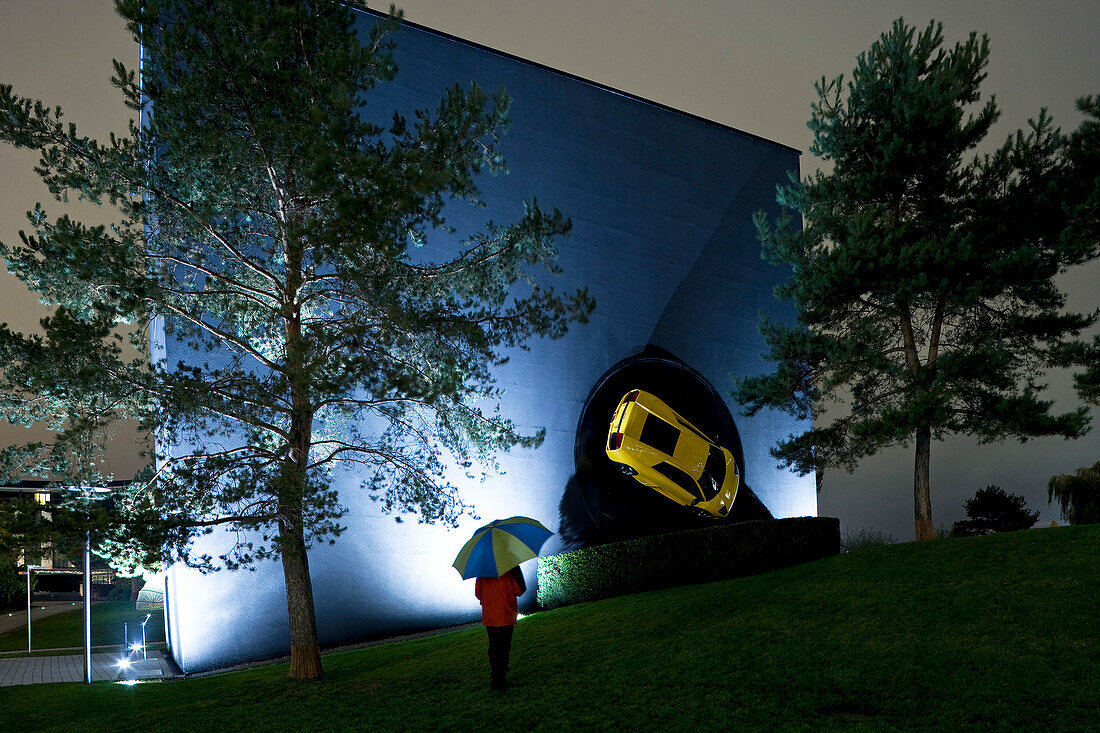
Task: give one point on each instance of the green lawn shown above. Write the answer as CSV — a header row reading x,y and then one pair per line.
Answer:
x,y
985,633
67,629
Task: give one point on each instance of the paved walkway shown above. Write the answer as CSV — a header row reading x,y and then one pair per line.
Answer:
x,y
70,668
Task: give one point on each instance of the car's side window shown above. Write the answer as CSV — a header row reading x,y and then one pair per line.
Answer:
x,y
658,434
689,426
682,479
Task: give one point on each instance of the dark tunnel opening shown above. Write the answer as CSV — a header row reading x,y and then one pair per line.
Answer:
x,y
600,504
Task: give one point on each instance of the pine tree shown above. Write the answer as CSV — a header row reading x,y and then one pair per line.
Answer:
x,y
276,232
993,510
1081,191
924,274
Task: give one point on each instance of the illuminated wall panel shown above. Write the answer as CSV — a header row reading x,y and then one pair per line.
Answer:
x,y
661,204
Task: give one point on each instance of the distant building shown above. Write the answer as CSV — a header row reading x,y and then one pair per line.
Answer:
x,y
58,574
43,494
661,202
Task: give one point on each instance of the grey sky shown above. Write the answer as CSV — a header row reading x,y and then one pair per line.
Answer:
x,y
747,64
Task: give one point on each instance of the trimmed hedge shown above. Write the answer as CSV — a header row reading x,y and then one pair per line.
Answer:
x,y
680,558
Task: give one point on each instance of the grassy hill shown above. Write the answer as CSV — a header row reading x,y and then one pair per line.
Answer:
x,y
985,633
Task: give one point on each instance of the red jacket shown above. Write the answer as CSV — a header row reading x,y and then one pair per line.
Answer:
x,y
498,599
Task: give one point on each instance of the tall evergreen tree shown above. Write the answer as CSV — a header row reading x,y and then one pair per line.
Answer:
x,y
923,275
275,231
1081,190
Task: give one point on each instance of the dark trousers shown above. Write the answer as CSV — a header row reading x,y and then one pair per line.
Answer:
x,y
500,648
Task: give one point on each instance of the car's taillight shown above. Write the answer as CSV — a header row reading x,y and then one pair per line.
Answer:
x,y
632,396
615,441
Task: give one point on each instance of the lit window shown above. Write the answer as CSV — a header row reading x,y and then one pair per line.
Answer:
x,y
42,497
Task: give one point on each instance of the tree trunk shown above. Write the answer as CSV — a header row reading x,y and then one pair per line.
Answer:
x,y
305,650
922,494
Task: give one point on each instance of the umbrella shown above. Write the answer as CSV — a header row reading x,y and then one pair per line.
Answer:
x,y
151,596
500,546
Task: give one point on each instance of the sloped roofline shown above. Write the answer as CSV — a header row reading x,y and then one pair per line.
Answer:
x,y
29,485
574,77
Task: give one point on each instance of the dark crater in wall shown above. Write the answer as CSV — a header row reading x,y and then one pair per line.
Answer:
x,y
600,504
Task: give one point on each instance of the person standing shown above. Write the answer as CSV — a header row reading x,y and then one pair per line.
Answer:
x,y
499,609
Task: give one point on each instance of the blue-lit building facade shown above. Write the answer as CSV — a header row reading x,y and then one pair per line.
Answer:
x,y
661,204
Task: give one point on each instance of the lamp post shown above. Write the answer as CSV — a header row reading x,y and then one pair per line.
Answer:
x,y
28,609
144,652
42,570
88,492
87,607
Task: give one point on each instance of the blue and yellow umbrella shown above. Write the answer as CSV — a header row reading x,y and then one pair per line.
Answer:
x,y
500,546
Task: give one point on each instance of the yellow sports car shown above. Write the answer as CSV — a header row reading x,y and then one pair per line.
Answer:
x,y
661,450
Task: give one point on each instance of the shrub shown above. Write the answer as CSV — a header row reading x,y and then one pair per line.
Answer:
x,y
13,586
993,510
679,558
859,539
121,589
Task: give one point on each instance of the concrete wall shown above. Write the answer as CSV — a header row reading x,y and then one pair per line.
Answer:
x,y
661,204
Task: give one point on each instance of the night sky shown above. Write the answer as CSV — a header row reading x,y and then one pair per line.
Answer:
x,y
749,65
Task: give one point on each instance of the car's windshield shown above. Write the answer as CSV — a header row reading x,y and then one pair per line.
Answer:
x,y
714,473
681,477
